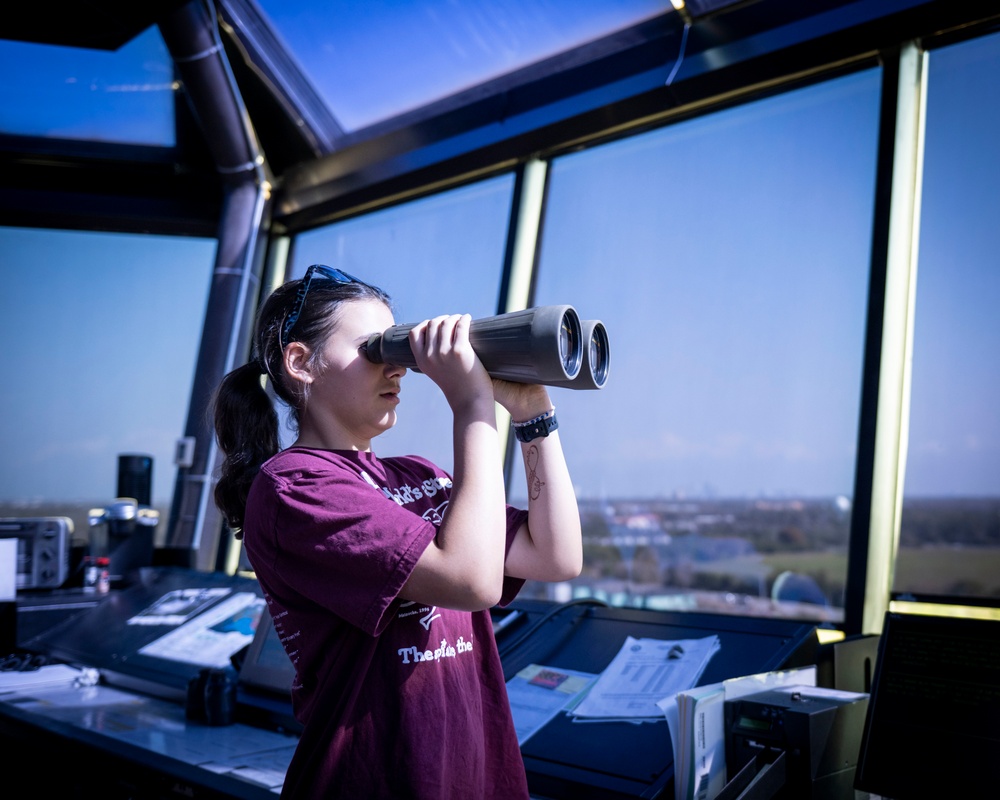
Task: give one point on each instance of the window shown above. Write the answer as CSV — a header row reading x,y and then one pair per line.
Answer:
x,y
351,50
102,334
439,255
728,257
950,526
124,96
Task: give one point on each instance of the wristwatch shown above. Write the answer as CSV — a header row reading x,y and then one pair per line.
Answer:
x,y
535,429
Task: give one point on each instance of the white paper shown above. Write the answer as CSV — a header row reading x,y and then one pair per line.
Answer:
x,y
644,672
819,692
48,675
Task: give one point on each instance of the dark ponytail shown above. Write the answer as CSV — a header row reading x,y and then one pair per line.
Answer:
x,y
246,426
246,422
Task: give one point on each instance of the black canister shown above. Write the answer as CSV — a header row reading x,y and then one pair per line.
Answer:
x,y
220,696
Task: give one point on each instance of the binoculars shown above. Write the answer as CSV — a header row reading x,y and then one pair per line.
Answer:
x,y
548,345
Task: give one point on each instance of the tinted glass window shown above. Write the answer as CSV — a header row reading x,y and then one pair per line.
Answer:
x,y
102,333
351,51
74,93
439,255
950,529
728,258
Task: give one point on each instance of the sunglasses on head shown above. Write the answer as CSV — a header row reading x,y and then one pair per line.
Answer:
x,y
315,272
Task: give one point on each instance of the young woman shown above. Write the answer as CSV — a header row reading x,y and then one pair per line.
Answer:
x,y
379,572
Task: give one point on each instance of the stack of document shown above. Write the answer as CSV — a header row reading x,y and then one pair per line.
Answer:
x,y
645,672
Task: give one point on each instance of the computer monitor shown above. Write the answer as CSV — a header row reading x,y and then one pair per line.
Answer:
x,y
264,689
162,630
266,667
933,722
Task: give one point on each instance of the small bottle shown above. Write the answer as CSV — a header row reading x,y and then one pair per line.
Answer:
x,y
103,578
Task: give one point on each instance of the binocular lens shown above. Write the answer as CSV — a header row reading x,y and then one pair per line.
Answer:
x,y
596,356
599,354
569,349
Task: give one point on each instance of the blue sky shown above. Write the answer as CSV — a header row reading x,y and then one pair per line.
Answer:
x,y
102,330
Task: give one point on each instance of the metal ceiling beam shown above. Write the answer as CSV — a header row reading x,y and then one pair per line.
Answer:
x,y
94,24
752,50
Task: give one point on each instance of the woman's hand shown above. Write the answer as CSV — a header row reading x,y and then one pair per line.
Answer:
x,y
444,354
523,401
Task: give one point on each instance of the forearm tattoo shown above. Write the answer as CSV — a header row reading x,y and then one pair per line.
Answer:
x,y
535,483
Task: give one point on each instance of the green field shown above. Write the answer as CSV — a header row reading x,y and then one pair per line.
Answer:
x,y
929,570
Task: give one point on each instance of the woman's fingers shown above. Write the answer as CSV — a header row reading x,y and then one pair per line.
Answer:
x,y
441,335
444,353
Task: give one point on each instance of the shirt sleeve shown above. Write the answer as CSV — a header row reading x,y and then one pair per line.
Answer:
x,y
351,548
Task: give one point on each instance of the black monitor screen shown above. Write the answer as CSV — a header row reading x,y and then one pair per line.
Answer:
x,y
267,667
933,724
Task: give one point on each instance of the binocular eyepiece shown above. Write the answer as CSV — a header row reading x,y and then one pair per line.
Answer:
x,y
547,345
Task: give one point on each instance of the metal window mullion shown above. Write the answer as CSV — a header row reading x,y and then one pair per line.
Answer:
x,y
523,234
893,404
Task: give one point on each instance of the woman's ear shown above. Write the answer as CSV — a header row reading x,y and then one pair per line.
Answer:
x,y
297,362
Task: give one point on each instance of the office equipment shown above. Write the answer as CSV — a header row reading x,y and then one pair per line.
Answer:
x,y
148,642
123,532
697,723
264,688
933,722
266,667
619,760
817,729
43,545
161,631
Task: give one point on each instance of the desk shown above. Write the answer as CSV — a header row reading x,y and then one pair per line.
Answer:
x,y
74,741
151,740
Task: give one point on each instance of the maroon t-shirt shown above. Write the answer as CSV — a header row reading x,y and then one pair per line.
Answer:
x,y
396,699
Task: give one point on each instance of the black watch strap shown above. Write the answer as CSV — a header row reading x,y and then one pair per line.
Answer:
x,y
535,429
